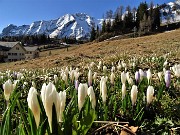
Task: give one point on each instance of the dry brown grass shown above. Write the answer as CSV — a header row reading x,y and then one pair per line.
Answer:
x,y
143,46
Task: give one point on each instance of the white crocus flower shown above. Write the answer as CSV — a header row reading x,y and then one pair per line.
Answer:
x,y
49,96
8,88
95,76
82,93
62,103
71,74
123,91
150,93
112,77
104,90
102,79
55,78
76,75
160,75
90,77
130,81
100,65
165,63
15,83
65,78
134,92
92,97
123,77
66,71
113,69
104,69
142,74
33,104
149,75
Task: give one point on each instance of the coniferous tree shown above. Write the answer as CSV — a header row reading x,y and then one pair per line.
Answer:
x,y
109,14
156,18
103,27
142,9
128,19
93,34
108,26
97,32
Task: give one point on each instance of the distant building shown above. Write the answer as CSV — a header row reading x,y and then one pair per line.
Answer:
x,y
14,51
31,52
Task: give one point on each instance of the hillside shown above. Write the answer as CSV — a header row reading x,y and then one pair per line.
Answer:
x,y
159,44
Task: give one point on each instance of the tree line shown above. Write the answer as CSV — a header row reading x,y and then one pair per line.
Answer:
x,y
28,40
144,19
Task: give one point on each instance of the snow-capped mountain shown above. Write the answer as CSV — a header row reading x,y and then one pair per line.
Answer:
x,y
170,12
70,25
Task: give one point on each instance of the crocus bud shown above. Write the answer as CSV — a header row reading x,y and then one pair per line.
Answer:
x,y
165,63
127,75
104,69
62,103
92,64
102,80
113,69
66,71
112,78
82,93
90,78
95,76
137,77
92,97
142,74
149,75
55,78
8,88
49,96
104,91
119,67
65,78
25,84
76,84
33,104
176,70
160,76
150,93
100,63
43,90
134,92
130,81
123,77
15,83
123,91
33,84
168,78
71,74
76,75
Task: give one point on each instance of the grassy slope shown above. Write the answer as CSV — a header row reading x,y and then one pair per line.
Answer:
x,y
149,45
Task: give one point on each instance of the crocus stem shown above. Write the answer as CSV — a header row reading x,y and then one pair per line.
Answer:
x,y
7,103
105,114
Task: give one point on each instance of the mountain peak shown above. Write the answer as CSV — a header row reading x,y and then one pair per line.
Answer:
x,y
76,25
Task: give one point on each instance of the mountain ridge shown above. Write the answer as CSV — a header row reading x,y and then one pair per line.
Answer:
x,y
76,25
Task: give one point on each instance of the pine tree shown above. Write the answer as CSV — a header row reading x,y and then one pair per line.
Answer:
x,y
142,9
108,26
103,27
93,34
156,18
128,20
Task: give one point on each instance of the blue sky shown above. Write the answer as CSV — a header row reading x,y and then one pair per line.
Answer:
x,y
21,12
